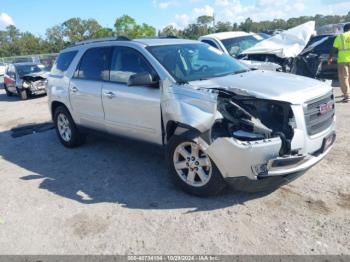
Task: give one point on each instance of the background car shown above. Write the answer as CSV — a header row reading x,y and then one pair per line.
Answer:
x,y
24,79
2,69
232,43
312,62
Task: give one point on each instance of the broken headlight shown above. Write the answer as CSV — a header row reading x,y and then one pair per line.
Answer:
x,y
252,119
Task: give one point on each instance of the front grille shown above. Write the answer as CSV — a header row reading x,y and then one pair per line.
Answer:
x,y
316,121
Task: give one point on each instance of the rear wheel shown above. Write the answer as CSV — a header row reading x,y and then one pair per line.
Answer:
x,y
66,129
192,168
8,93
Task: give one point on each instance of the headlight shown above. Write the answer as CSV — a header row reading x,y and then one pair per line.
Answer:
x,y
25,85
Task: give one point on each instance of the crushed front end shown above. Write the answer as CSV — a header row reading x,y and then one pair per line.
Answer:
x,y
259,138
251,139
34,84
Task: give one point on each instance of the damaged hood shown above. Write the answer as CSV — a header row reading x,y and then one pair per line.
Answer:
x,y
269,85
287,44
34,77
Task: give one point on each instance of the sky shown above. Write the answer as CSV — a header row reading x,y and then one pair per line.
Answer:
x,y
36,16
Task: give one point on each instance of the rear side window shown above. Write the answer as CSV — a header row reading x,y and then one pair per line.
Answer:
x,y
63,62
94,64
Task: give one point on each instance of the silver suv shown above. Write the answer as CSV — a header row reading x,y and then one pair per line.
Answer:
x,y
219,121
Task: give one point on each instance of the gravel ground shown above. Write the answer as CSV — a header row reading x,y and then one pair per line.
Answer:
x,y
115,197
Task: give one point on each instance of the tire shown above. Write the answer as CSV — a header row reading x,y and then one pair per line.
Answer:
x,y
8,93
66,129
213,182
23,94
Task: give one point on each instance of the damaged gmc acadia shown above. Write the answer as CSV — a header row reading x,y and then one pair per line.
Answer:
x,y
219,121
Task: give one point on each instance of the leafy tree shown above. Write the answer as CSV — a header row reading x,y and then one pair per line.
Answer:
x,y
169,30
104,32
76,29
127,26
55,38
223,27
205,20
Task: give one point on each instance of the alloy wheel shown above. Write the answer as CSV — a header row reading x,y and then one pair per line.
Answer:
x,y
192,165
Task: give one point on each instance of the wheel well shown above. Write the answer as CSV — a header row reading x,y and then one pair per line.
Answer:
x,y
55,105
176,128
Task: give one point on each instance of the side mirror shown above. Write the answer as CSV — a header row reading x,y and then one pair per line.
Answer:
x,y
141,79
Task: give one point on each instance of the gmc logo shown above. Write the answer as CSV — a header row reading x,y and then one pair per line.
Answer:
x,y
325,108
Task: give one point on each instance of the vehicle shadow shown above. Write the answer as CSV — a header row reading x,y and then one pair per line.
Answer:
x,y
16,98
133,174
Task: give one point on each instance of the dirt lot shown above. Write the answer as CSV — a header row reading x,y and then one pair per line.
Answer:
x,y
115,197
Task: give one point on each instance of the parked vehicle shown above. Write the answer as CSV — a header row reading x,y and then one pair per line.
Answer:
x,y
25,79
219,121
312,62
2,68
234,43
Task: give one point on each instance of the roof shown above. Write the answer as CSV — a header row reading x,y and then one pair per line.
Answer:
x,y
226,35
140,41
163,41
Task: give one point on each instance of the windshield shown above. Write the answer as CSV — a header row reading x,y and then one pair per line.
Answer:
x,y
23,70
191,62
237,45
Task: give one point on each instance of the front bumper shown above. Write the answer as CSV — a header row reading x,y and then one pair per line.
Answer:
x,y
260,159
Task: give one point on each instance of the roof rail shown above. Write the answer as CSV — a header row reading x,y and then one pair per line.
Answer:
x,y
102,39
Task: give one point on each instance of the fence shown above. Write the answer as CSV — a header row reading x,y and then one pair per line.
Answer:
x,y
46,59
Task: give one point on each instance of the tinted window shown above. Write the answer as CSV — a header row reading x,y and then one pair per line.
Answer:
x,y
63,62
211,43
126,62
190,62
237,45
23,70
94,64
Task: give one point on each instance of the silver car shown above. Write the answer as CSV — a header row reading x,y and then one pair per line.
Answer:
x,y
220,122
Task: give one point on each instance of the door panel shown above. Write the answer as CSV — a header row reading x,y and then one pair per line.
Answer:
x,y
133,111
85,98
10,79
85,88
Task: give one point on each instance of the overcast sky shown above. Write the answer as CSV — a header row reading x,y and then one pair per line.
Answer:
x,y
37,15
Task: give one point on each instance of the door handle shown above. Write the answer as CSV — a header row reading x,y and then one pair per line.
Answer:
x,y
74,89
109,94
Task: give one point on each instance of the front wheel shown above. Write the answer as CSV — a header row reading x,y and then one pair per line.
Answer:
x,y
23,93
66,129
192,168
8,93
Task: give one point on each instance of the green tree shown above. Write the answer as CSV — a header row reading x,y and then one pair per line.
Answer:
x,y
104,32
55,38
223,27
246,25
127,26
205,20
76,29
169,30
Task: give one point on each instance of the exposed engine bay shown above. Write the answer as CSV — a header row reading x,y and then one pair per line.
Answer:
x,y
251,119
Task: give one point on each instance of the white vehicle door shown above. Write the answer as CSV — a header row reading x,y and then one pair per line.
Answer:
x,y
132,111
85,88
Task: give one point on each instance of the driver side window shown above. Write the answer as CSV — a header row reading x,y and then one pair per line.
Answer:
x,y
127,62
